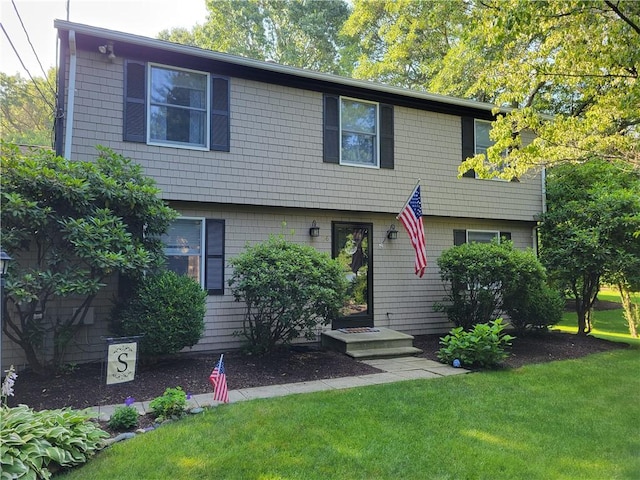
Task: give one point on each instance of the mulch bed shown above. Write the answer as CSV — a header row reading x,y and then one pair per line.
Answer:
x,y
84,386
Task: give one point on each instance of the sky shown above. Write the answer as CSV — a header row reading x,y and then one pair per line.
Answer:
x,y
140,17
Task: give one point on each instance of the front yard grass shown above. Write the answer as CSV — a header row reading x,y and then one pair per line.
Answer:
x,y
561,420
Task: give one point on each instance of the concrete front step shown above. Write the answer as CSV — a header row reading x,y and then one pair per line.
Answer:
x,y
376,342
384,353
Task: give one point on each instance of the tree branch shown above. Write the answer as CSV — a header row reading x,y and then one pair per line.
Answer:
x,y
624,18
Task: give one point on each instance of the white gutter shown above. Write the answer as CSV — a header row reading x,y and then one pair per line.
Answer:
x,y
71,95
543,177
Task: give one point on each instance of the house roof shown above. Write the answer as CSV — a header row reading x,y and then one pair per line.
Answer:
x,y
138,47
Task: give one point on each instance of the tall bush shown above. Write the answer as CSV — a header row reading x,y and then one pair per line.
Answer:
x,y
289,289
485,280
168,310
69,226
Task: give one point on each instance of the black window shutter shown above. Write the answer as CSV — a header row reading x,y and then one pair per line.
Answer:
x,y
459,237
505,236
135,110
468,143
386,136
331,128
220,131
214,257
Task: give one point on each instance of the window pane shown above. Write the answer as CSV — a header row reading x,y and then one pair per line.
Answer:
x,y
358,149
178,125
358,116
483,141
185,265
481,237
178,107
176,87
183,247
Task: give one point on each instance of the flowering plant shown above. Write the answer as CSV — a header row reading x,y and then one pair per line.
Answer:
x,y
7,384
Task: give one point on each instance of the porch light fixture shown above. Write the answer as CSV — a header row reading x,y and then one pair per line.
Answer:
x,y
4,262
107,49
392,233
314,231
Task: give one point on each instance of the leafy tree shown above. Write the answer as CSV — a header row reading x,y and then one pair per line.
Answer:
x,y
70,226
288,289
27,109
567,70
168,310
577,61
299,33
590,231
484,280
404,42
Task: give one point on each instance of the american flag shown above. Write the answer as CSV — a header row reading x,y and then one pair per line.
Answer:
x,y
218,380
411,218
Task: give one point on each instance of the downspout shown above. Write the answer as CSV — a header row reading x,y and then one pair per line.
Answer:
x,y
534,233
543,177
68,134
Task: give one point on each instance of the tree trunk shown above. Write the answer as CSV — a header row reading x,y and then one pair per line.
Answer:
x,y
631,311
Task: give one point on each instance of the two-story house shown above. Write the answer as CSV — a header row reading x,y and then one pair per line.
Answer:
x,y
239,147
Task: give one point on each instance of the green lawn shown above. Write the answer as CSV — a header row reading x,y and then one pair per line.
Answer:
x,y
561,420
607,324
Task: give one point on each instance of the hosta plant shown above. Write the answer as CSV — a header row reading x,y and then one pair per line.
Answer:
x,y
37,443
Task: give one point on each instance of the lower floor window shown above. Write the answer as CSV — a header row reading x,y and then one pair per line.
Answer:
x,y
195,247
479,236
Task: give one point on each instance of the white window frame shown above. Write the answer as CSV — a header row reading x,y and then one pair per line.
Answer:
x,y
484,150
207,126
203,225
496,234
376,135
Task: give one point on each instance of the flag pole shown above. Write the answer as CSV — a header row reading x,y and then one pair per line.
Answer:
x,y
409,199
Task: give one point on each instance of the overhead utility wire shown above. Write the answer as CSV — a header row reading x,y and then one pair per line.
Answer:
x,y
25,68
32,47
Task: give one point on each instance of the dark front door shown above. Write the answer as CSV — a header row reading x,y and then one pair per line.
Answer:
x,y
352,246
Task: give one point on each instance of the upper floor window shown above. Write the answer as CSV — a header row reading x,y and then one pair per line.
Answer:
x,y
359,132
175,107
195,247
178,107
482,138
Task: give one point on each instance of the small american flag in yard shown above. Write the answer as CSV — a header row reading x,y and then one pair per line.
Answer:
x,y
411,218
218,380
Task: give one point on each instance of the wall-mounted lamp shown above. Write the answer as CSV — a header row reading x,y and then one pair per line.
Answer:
x,y
107,49
4,263
314,231
392,233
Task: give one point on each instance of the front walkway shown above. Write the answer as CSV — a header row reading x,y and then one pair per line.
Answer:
x,y
394,370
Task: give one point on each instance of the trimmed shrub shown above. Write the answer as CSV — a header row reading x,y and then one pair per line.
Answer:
x,y
483,346
123,418
168,310
487,280
289,289
37,443
534,307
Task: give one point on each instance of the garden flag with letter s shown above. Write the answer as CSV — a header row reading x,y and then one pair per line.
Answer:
x,y
411,218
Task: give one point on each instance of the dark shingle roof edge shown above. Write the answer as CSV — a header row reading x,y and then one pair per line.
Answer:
x,y
116,36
